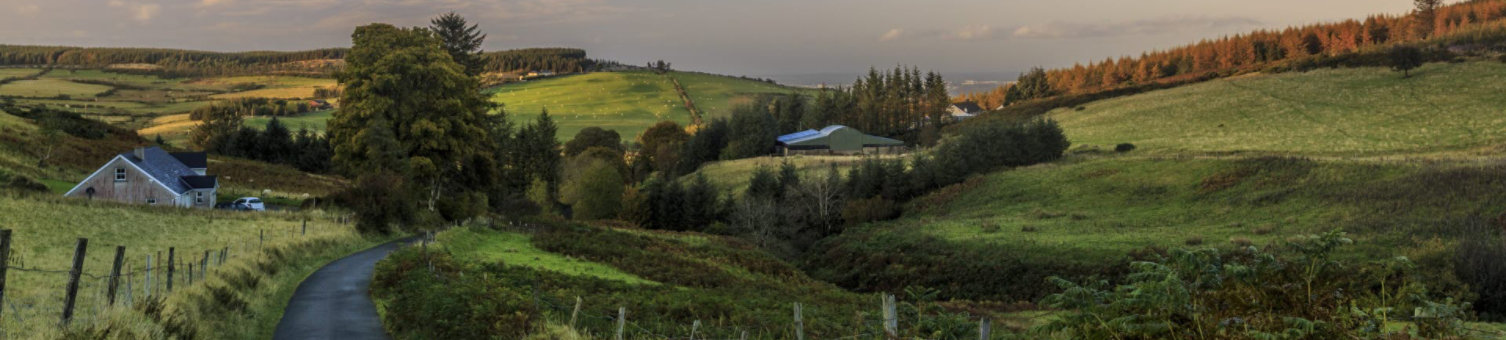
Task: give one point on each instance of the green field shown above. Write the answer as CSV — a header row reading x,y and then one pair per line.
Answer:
x,y
7,73
717,95
628,102
314,121
1339,112
48,88
517,249
45,230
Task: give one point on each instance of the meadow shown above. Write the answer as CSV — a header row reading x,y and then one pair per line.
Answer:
x,y
282,87
48,88
314,121
512,283
717,95
1443,107
628,102
45,229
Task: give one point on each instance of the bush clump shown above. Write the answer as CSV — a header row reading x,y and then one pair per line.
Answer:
x,y
1124,147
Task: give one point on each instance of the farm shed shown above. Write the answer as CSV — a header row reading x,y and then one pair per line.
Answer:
x,y
837,140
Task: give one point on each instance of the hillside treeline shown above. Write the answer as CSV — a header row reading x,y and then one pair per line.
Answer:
x,y
883,103
321,62
1259,49
559,60
173,62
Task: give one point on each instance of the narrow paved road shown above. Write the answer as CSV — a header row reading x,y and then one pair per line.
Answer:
x,y
333,303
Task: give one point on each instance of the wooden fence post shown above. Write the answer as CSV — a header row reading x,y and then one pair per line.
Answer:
x,y
78,269
171,254
984,329
261,238
891,319
4,262
305,227
799,323
574,313
204,267
115,273
146,290
621,321
189,277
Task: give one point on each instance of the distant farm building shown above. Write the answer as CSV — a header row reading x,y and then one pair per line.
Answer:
x,y
964,110
152,176
837,140
536,74
320,104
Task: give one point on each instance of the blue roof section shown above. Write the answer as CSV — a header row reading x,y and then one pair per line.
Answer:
x,y
163,167
809,134
802,135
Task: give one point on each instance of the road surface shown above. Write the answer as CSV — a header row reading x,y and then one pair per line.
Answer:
x,y
333,302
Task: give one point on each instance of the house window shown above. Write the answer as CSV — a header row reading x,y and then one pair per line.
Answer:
x,y
120,175
151,201
199,196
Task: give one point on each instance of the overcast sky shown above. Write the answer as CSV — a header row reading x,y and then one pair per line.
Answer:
x,y
754,37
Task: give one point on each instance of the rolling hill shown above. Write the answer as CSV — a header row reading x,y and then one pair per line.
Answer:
x,y
628,102
1442,108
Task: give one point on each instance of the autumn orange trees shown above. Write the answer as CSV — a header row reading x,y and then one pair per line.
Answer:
x,y
1262,48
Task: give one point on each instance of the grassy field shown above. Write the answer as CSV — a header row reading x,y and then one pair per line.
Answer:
x,y
48,88
274,86
728,285
1343,112
717,95
628,102
732,176
517,249
44,233
314,121
7,73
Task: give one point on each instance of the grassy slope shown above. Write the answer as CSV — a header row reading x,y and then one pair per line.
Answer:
x,y
717,95
51,88
628,102
1343,112
517,249
45,229
314,121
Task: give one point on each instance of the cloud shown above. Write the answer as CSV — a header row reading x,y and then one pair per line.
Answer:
x,y
1067,30
1064,30
145,12
28,9
208,3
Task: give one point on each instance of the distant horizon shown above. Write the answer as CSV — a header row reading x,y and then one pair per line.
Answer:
x,y
765,37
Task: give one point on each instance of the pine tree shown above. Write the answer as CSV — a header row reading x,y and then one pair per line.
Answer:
x,y
462,41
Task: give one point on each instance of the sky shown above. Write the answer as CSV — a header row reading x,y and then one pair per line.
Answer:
x,y
739,37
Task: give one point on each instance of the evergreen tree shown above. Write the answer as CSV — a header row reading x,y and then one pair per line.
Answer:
x,y
461,40
593,137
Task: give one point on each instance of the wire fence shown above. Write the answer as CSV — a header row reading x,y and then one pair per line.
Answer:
x,y
34,296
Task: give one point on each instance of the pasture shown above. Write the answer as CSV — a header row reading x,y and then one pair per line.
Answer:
x,y
44,233
1330,112
314,121
282,87
628,102
50,88
717,95
7,73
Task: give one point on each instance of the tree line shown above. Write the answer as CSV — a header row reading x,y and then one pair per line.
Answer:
x,y
1254,50
895,103
321,62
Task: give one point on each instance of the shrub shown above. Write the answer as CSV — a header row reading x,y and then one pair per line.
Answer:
x,y
1235,295
1124,147
990,228
379,201
869,210
25,184
1029,229
1265,229
1477,262
1239,241
444,303
1194,241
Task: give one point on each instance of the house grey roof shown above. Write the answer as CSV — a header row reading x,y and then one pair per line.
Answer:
x,y
201,182
193,160
968,107
163,167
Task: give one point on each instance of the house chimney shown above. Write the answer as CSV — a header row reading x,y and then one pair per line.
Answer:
x,y
141,154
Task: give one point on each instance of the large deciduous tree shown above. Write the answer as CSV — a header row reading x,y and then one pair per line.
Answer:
x,y
461,39
409,108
